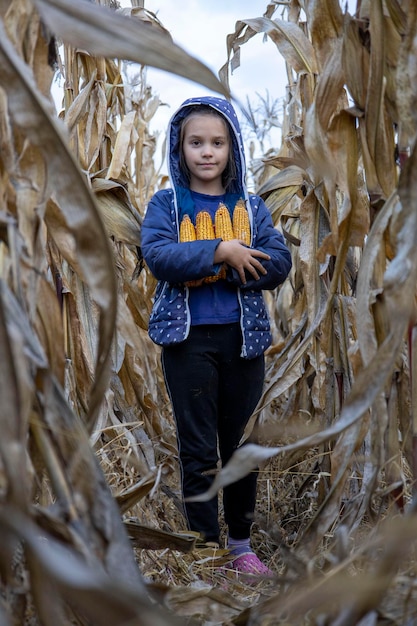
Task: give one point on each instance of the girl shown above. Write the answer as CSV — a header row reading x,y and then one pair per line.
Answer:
x,y
209,314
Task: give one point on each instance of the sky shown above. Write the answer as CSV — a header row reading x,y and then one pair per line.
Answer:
x,y
200,27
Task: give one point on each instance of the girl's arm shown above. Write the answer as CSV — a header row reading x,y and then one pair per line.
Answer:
x,y
244,260
276,260
168,259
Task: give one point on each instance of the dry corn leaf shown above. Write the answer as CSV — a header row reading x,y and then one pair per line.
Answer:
x,y
386,167
6,144
220,605
375,89
281,201
121,219
14,409
322,168
356,61
92,128
398,15
128,498
125,142
75,199
19,327
369,281
146,16
314,228
81,490
407,84
81,327
373,184
147,538
62,242
50,330
291,176
246,459
405,415
30,193
392,451
330,95
325,24
80,104
290,368
290,40
98,595
379,129
104,32
349,211
137,299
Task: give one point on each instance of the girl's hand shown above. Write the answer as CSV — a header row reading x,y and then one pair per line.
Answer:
x,y
236,254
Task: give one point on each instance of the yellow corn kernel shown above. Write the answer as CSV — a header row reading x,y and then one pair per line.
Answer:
x,y
205,230
187,230
187,233
223,223
212,279
204,225
241,226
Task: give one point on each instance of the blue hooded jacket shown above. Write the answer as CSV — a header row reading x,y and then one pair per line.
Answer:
x,y
174,263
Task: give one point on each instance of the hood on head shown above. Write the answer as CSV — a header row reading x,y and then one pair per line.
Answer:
x,y
227,111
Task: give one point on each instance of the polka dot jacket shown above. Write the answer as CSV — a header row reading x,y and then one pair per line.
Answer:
x,y
174,263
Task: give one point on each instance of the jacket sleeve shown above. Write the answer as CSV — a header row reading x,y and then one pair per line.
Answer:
x,y
166,257
267,239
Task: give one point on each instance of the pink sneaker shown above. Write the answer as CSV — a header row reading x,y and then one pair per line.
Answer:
x,y
249,563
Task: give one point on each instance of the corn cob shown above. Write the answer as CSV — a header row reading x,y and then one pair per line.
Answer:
x,y
223,223
205,230
241,226
224,229
187,230
188,233
204,225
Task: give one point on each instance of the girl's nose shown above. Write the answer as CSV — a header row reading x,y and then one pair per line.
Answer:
x,y
206,149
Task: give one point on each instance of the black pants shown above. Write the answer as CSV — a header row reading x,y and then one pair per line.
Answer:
x,y
213,393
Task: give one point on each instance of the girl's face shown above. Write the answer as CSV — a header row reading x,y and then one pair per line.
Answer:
x,y
206,144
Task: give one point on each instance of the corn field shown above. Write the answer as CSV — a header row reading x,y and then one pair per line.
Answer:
x,y
91,521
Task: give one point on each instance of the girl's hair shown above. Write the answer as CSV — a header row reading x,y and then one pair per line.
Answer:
x,y
230,174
